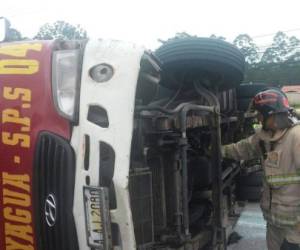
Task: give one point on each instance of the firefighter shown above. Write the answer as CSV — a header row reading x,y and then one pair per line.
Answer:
x,y
277,143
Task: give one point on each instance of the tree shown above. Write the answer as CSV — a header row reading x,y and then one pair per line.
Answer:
x,y
13,35
282,48
218,37
178,35
295,55
247,46
61,29
277,73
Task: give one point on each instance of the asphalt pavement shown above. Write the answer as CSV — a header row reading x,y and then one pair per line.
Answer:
x,y
252,228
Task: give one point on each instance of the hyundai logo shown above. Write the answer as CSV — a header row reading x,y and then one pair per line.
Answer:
x,y
50,210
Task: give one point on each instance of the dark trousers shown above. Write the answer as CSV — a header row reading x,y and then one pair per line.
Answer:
x,y
289,246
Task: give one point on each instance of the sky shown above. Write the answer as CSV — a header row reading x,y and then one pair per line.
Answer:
x,y
144,22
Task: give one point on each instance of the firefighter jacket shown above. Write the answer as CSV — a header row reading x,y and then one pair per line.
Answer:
x,y
280,154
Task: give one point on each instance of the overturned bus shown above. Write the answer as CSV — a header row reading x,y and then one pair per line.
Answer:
x,y
105,145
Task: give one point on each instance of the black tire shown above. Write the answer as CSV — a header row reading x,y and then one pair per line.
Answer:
x,y
216,60
247,193
163,92
253,180
243,104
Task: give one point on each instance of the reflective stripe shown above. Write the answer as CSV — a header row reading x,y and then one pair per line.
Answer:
x,y
283,179
256,126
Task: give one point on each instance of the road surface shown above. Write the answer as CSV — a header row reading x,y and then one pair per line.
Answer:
x,y
252,227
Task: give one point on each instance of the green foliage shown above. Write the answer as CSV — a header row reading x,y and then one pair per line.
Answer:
x,y
218,37
14,35
61,30
277,73
178,35
280,63
282,48
247,46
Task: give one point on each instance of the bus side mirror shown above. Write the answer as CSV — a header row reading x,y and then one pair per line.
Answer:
x,y
4,26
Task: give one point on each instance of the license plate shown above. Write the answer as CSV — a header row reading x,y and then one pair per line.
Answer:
x,y
97,217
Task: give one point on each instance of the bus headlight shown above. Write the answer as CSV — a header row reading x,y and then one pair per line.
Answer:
x,y
65,82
